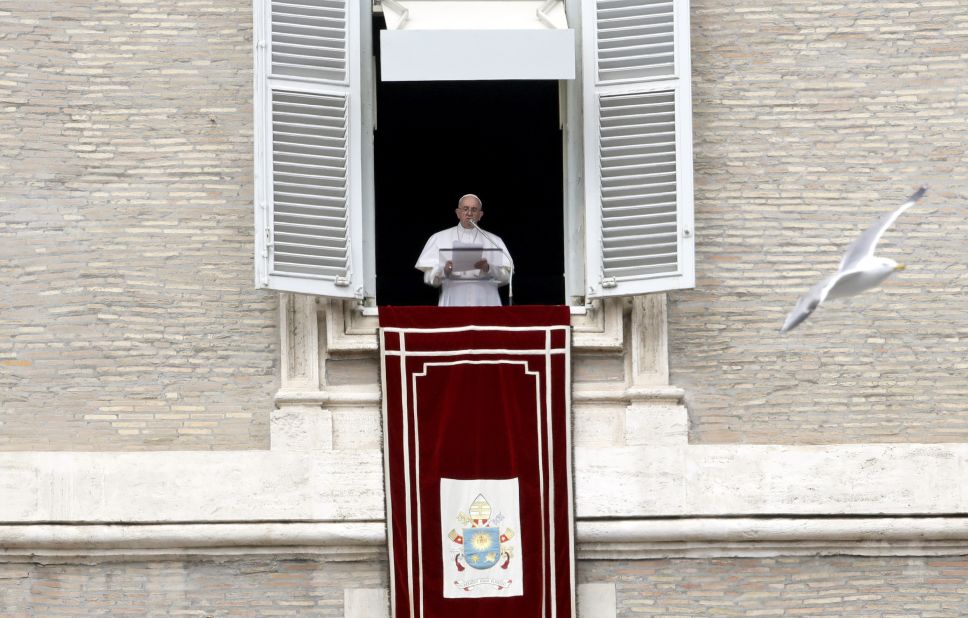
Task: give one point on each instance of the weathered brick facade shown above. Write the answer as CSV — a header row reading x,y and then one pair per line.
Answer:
x,y
810,122
129,319
131,322
285,586
227,586
831,586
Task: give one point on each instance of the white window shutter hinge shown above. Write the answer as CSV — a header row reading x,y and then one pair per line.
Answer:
x,y
265,257
609,282
342,281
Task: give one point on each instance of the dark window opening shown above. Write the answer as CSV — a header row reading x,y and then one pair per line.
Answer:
x,y
436,141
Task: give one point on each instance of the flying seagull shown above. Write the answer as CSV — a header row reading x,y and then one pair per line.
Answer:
x,y
859,270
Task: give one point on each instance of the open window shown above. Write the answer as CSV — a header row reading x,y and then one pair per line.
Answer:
x,y
588,180
436,141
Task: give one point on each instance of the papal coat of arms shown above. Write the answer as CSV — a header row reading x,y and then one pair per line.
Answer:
x,y
483,544
482,547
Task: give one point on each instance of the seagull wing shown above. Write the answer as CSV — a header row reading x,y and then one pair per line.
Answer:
x,y
810,301
864,245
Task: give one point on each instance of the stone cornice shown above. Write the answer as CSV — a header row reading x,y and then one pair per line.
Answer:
x,y
772,536
668,395
596,539
330,396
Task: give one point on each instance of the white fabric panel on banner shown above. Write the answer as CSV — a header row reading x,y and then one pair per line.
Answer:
x,y
481,538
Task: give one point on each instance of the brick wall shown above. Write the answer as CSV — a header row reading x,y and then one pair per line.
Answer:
x,y
241,586
128,318
284,586
841,586
811,120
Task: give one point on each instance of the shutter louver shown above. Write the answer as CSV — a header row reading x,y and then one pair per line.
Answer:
x,y
638,171
638,147
309,212
309,39
636,40
308,140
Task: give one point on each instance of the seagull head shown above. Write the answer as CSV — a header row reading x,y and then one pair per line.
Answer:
x,y
886,266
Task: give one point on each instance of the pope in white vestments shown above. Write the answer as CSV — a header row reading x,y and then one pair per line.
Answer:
x,y
466,284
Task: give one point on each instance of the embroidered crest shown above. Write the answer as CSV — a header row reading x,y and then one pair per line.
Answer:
x,y
482,545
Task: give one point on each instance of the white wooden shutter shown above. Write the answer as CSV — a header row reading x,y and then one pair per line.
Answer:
x,y
638,146
308,211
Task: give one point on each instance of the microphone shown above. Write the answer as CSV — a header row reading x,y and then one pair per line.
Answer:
x,y
510,261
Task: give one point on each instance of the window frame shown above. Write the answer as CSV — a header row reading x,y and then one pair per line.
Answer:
x,y
581,210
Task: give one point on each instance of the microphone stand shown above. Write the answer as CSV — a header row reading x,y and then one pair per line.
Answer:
x,y
502,250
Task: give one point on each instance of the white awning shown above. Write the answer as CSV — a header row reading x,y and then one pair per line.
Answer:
x,y
453,40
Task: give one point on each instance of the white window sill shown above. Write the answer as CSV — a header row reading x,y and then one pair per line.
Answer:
x,y
352,328
374,312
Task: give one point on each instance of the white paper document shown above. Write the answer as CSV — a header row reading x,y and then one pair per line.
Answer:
x,y
465,256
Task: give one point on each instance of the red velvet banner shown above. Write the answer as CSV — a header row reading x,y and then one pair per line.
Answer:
x,y
477,452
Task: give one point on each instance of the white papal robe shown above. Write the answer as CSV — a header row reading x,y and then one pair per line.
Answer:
x,y
467,288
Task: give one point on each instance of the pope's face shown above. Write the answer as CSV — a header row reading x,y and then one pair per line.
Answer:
x,y
469,211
